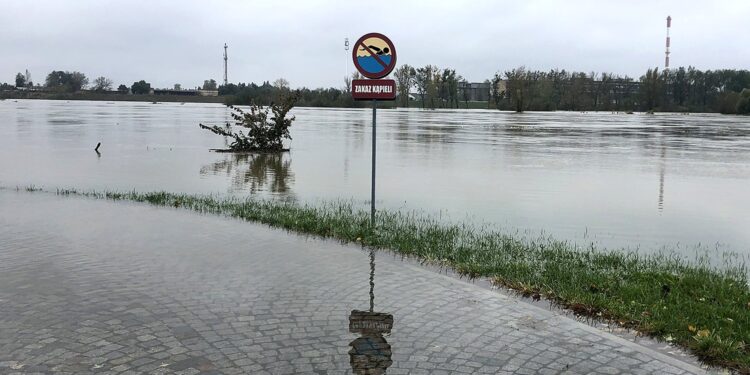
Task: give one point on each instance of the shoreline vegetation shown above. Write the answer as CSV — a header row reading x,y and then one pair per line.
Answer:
x,y
700,307
155,99
681,89
109,97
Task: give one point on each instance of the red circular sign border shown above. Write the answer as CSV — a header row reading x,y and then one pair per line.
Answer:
x,y
387,70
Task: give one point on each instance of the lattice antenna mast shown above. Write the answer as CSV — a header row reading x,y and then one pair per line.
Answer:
x,y
226,81
666,51
346,57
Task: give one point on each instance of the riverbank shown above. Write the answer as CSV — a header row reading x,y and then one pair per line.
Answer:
x,y
109,97
10,95
692,304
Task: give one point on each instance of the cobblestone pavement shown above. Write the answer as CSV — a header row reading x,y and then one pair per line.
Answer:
x,y
117,288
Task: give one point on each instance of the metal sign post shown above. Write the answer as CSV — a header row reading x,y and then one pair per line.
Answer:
x,y
372,187
374,56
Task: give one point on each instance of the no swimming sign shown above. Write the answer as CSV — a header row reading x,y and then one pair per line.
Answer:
x,y
374,56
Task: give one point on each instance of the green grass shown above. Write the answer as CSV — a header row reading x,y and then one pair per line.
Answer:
x,y
690,303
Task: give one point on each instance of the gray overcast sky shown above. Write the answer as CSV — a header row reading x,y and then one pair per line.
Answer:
x,y
168,42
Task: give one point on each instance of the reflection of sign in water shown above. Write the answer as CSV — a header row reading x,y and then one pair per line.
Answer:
x,y
366,322
374,55
370,353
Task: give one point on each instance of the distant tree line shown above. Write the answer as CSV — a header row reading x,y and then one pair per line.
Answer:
x,y
523,90
518,89
267,93
71,82
681,89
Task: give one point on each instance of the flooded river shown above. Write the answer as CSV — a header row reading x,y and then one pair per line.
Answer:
x,y
637,181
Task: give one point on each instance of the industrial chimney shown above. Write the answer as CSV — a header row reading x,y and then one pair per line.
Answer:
x,y
666,52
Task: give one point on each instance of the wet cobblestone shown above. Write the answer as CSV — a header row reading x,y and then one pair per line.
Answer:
x,y
115,288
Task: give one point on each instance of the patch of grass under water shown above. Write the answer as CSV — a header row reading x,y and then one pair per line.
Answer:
x,y
693,304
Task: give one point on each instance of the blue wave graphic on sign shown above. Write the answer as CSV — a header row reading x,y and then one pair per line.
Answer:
x,y
369,64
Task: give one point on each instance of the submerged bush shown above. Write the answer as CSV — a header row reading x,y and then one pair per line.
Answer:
x,y
264,131
743,105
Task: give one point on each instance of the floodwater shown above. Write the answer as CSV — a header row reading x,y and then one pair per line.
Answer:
x,y
149,290
637,181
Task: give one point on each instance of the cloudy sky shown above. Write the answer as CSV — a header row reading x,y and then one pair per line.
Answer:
x,y
168,42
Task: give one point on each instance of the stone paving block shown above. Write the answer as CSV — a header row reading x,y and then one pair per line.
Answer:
x,y
134,289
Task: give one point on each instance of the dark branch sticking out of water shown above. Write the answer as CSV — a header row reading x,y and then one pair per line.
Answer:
x,y
693,304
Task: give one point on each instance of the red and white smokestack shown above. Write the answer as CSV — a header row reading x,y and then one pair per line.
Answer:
x,y
666,52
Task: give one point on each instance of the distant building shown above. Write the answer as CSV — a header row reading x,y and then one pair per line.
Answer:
x,y
186,92
476,91
175,92
472,91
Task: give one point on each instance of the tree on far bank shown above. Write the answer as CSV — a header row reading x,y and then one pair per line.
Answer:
x,y
209,84
347,84
177,87
743,104
122,89
465,94
78,81
448,88
404,75
102,84
281,84
433,86
495,94
420,81
427,81
66,81
452,84
229,89
651,85
516,86
20,80
140,87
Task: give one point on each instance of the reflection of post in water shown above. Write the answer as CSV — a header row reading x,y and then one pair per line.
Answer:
x,y
662,170
370,353
255,171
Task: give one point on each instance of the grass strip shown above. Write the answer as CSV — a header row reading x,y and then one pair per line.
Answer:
x,y
690,303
